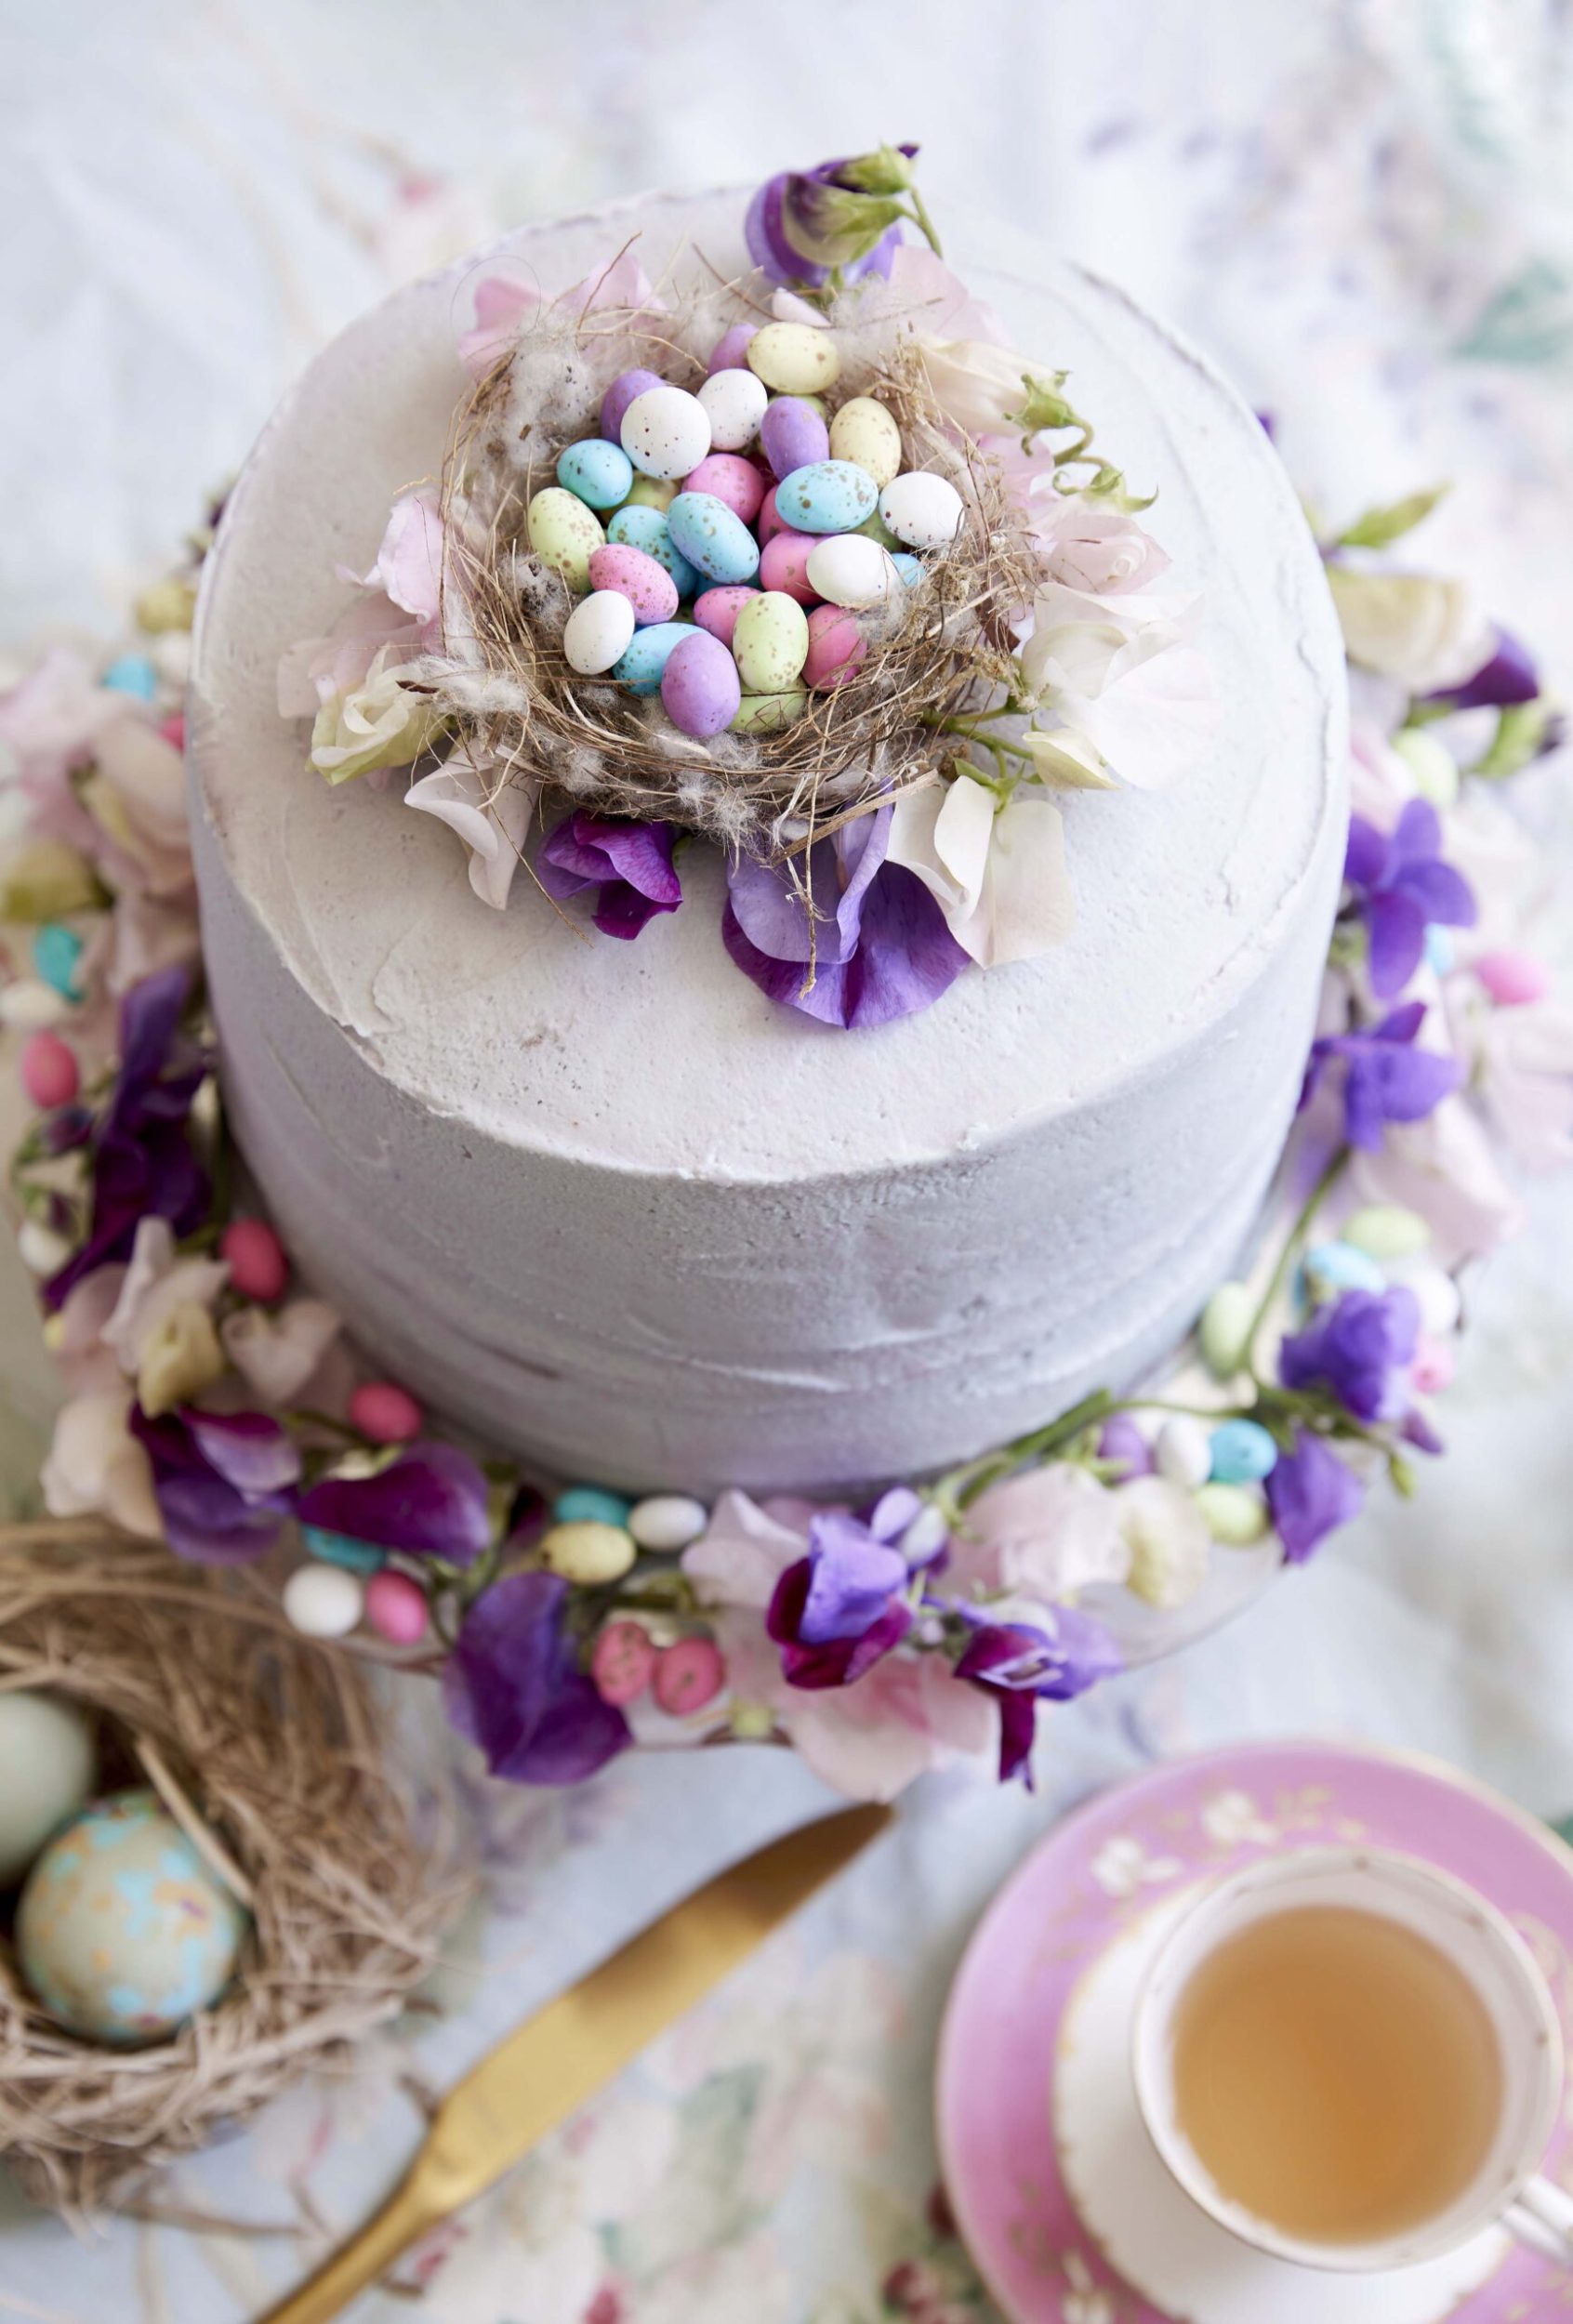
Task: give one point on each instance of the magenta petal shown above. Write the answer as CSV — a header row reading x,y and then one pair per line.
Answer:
x,y
1507,677
513,1687
432,1502
205,1520
249,1450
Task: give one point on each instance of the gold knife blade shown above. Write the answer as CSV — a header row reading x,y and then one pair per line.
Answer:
x,y
546,2069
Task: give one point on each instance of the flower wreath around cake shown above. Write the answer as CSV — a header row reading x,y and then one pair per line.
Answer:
x,y
214,1402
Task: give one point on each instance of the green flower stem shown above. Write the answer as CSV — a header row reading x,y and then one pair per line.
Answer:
x,y
1289,1254
924,222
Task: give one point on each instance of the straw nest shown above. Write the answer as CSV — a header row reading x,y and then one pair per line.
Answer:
x,y
507,691
269,1751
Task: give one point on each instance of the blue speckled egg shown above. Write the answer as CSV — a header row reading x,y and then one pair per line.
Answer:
x,y
647,529
1243,1453
57,956
132,674
600,473
123,1933
826,496
642,666
713,538
1329,1268
592,1504
909,567
341,1549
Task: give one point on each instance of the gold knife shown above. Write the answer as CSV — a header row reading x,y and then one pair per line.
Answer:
x,y
545,2070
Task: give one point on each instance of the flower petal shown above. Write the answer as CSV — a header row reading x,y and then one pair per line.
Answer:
x,y
432,1501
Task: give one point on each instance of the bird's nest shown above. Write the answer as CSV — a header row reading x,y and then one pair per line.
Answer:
x,y
270,1753
506,689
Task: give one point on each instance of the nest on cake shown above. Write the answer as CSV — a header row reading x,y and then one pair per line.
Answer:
x,y
506,690
269,1753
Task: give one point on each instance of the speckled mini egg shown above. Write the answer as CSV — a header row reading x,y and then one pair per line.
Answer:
x,y
794,358
717,609
666,432
654,492
864,432
715,541
700,689
620,395
122,1932
792,435
643,579
47,1760
732,348
599,473
828,496
766,714
734,404
922,510
600,627
642,666
769,644
646,528
565,535
784,565
835,647
850,569
732,479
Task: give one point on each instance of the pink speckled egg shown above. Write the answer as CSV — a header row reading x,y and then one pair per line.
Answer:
x,y
688,1675
770,519
1512,978
731,478
784,563
395,1609
49,1071
835,647
700,689
255,1257
384,1412
622,1662
648,586
731,351
717,610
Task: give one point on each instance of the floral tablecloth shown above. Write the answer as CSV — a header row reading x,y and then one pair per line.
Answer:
x,y
1364,211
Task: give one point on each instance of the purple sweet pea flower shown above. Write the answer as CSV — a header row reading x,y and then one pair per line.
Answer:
x,y
1386,1077
1360,1349
802,222
1022,1664
1506,677
432,1502
1404,888
628,865
143,1166
835,1611
224,1481
513,1686
1310,1492
877,940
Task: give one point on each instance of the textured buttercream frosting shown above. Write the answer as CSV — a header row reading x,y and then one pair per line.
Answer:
x,y
608,1205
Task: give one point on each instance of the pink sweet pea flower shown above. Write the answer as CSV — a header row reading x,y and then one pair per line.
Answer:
x,y
502,303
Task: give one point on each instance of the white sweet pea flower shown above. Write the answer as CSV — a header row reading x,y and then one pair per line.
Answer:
x,y
1096,549
1426,632
996,872
1121,672
96,1467
377,724
1167,1537
490,814
1062,757
1044,1536
980,388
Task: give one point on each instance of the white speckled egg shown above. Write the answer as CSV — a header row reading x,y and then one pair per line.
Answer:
x,y
794,358
864,432
850,569
666,432
324,1600
923,509
600,632
122,1932
47,1760
667,1521
734,404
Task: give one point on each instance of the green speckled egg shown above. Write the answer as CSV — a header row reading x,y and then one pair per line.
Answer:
x,y
566,535
123,1933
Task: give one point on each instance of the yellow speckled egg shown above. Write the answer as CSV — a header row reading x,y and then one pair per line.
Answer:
x,y
586,1551
794,358
864,432
122,1932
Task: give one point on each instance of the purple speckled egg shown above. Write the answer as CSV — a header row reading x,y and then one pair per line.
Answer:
x,y
793,435
784,565
717,610
619,395
648,586
700,689
732,479
731,351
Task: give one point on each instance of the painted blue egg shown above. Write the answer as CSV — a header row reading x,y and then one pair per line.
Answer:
x,y
826,496
713,537
1441,952
600,474
342,1549
592,1504
1329,1268
1243,1453
57,956
644,664
132,674
647,529
909,567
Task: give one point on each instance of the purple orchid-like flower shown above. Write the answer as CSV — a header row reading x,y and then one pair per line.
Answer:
x,y
844,214
514,1687
628,865
142,1162
876,941
1022,1664
1506,678
1386,1077
432,1502
1404,888
1360,1349
1310,1493
224,1481
837,1611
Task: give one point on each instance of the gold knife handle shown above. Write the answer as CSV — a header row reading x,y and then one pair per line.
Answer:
x,y
368,2255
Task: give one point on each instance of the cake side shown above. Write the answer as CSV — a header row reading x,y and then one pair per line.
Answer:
x,y
605,1201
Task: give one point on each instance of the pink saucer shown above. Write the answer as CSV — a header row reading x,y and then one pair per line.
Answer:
x,y
1092,1881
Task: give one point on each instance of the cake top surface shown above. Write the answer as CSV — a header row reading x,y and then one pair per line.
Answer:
x,y
659,1055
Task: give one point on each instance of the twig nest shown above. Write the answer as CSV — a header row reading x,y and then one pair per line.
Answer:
x,y
267,1754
